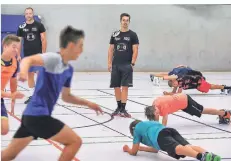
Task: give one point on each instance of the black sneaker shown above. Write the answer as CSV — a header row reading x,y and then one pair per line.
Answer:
x,y
223,91
124,113
28,100
116,112
151,77
225,119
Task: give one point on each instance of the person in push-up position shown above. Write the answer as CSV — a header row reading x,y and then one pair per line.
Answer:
x,y
168,104
158,137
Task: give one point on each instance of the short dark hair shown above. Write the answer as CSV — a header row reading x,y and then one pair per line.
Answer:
x,y
9,39
70,34
149,113
29,8
133,125
125,14
170,83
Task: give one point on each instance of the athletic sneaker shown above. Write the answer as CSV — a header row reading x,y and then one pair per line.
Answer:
x,y
224,91
151,77
225,119
124,113
116,112
215,157
156,81
206,157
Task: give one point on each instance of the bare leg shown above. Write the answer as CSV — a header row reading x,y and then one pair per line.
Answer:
x,y
14,148
212,111
162,74
124,94
197,148
31,82
222,87
4,125
71,141
186,151
118,94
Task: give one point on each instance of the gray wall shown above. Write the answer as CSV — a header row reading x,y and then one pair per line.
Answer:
x,y
196,35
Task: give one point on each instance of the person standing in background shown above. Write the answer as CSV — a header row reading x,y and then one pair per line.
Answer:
x,y
34,36
122,55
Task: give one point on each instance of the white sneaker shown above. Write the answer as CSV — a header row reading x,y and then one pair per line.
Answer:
x,y
156,81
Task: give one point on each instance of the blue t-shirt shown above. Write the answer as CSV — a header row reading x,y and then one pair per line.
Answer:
x,y
52,77
147,132
180,71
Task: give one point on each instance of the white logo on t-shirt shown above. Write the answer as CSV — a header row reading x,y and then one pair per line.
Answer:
x,y
30,37
22,26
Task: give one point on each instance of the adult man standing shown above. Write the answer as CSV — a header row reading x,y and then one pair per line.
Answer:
x,y
34,35
122,55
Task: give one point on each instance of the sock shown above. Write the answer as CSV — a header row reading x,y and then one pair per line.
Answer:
x,y
123,105
119,104
227,87
199,156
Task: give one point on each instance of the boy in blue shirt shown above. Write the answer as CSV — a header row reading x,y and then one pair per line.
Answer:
x,y
158,137
54,78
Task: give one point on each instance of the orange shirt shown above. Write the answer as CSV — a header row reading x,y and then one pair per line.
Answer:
x,y
171,103
8,70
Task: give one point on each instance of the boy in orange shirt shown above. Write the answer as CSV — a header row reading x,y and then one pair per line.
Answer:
x,y
9,67
168,104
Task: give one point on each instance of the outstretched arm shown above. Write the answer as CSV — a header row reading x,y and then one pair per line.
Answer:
x,y
165,120
27,62
70,98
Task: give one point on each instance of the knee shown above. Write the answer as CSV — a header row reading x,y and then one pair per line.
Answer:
x,y
4,130
124,88
179,149
78,142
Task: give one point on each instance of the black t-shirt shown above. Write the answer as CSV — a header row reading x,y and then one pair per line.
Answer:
x,y
31,35
123,42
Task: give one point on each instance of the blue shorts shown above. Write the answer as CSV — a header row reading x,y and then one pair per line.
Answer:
x,y
180,71
3,109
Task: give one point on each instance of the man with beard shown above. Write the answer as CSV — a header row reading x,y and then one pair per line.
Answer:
x,y
122,55
34,36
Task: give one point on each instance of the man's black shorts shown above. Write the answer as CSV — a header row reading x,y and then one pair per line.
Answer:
x,y
121,75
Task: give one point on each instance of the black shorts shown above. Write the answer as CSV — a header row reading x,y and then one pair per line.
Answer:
x,y
30,53
193,108
121,75
39,127
169,139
